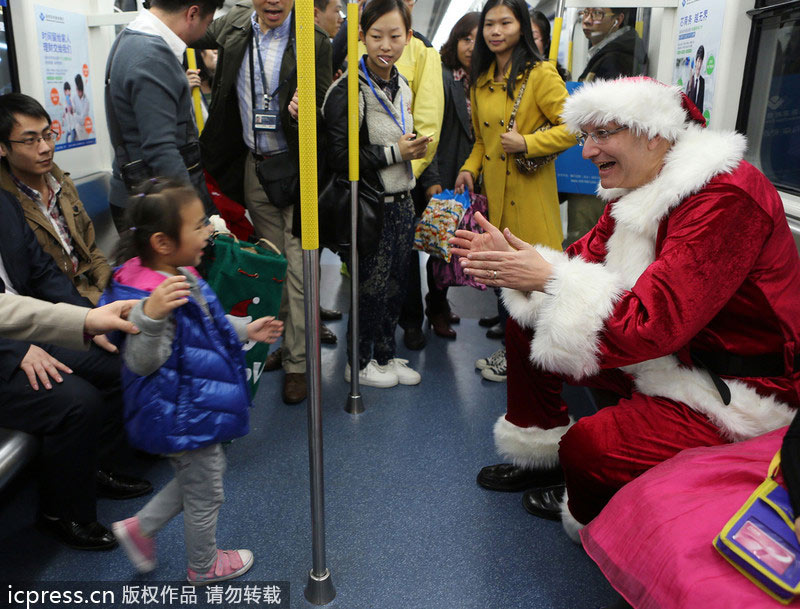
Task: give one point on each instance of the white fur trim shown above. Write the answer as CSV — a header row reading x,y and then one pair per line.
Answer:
x,y
647,106
525,307
748,415
528,447
568,323
571,526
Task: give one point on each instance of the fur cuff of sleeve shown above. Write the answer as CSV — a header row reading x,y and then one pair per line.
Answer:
x,y
524,307
582,296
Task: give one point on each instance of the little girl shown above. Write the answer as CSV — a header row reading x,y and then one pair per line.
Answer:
x,y
387,145
184,376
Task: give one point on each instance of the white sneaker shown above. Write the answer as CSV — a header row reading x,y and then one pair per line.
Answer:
x,y
405,375
374,375
497,370
495,358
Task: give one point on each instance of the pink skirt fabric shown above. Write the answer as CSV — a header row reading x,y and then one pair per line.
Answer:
x,y
653,541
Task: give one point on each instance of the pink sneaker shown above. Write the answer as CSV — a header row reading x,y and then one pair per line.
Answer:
x,y
141,550
229,564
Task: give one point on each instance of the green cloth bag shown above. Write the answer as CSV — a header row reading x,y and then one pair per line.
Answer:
x,y
248,280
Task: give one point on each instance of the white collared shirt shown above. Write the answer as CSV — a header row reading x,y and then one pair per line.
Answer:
x,y
4,276
147,23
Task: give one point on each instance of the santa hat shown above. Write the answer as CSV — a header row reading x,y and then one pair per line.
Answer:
x,y
643,104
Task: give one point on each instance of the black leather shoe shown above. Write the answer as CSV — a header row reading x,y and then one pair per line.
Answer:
x,y
274,360
488,322
414,339
91,536
544,502
326,335
510,478
119,486
496,331
329,314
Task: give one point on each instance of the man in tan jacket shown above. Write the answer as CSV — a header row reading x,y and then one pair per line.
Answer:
x,y
47,195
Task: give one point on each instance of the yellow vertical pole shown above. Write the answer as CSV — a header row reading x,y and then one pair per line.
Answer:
x,y
555,39
352,88
307,122
197,100
319,588
355,401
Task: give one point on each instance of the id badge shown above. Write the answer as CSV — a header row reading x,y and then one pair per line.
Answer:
x,y
265,120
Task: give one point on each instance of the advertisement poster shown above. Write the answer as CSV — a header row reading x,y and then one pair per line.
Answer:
x,y
696,51
574,173
64,57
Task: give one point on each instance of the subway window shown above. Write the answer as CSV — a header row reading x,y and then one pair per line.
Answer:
x,y
770,109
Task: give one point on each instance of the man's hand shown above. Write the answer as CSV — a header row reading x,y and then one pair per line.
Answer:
x,y
193,76
171,294
101,341
512,141
38,363
464,180
265,330
294,105
110,317
501,260
466,242
432,190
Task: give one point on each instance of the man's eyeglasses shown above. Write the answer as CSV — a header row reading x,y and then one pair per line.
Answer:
x,y
599,136
34,140
595,14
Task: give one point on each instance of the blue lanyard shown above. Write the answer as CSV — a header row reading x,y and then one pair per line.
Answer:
x,y
383,103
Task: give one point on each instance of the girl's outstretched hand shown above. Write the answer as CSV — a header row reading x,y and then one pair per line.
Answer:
x,y
171,294
265,330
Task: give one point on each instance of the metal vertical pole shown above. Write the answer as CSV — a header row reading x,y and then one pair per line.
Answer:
x,y
319,589
355,403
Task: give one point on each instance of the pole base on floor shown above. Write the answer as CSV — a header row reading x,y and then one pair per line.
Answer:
x,y
320,590
355,405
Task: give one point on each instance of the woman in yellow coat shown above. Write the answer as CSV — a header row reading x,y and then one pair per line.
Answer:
x,y
525,203
505,58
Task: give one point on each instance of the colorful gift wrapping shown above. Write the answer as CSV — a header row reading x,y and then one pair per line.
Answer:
x,y
439,222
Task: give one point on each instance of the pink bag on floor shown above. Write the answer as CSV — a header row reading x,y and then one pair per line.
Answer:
x,y
446,274
653,541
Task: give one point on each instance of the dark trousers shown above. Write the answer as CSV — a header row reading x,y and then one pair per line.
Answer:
x,y
380,285
79,423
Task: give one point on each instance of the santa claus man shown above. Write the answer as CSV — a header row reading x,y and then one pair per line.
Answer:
x,y
683,300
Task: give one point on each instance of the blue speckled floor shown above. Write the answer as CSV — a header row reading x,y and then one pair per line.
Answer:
x,y
407,526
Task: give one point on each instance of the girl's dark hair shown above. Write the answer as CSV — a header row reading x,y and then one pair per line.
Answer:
x,y
375,9
540,19
156,208
524,55
461,30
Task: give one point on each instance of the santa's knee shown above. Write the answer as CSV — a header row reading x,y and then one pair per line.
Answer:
x,y
582,450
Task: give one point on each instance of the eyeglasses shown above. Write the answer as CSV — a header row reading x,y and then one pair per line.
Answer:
x,y
34,140
596,14
600,136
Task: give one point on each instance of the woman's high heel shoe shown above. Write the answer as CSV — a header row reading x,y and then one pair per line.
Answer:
x,y
441,325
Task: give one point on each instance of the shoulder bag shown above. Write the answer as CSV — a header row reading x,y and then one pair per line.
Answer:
x,y
524,164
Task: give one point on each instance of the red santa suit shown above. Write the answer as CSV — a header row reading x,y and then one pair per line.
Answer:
x,y
700,262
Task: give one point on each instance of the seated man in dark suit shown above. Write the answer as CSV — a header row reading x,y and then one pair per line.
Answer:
x,y
70,399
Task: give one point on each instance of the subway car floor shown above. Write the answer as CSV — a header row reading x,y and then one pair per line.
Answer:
x,y
406,524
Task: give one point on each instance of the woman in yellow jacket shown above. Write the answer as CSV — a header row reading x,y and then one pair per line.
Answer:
x,y
504,58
